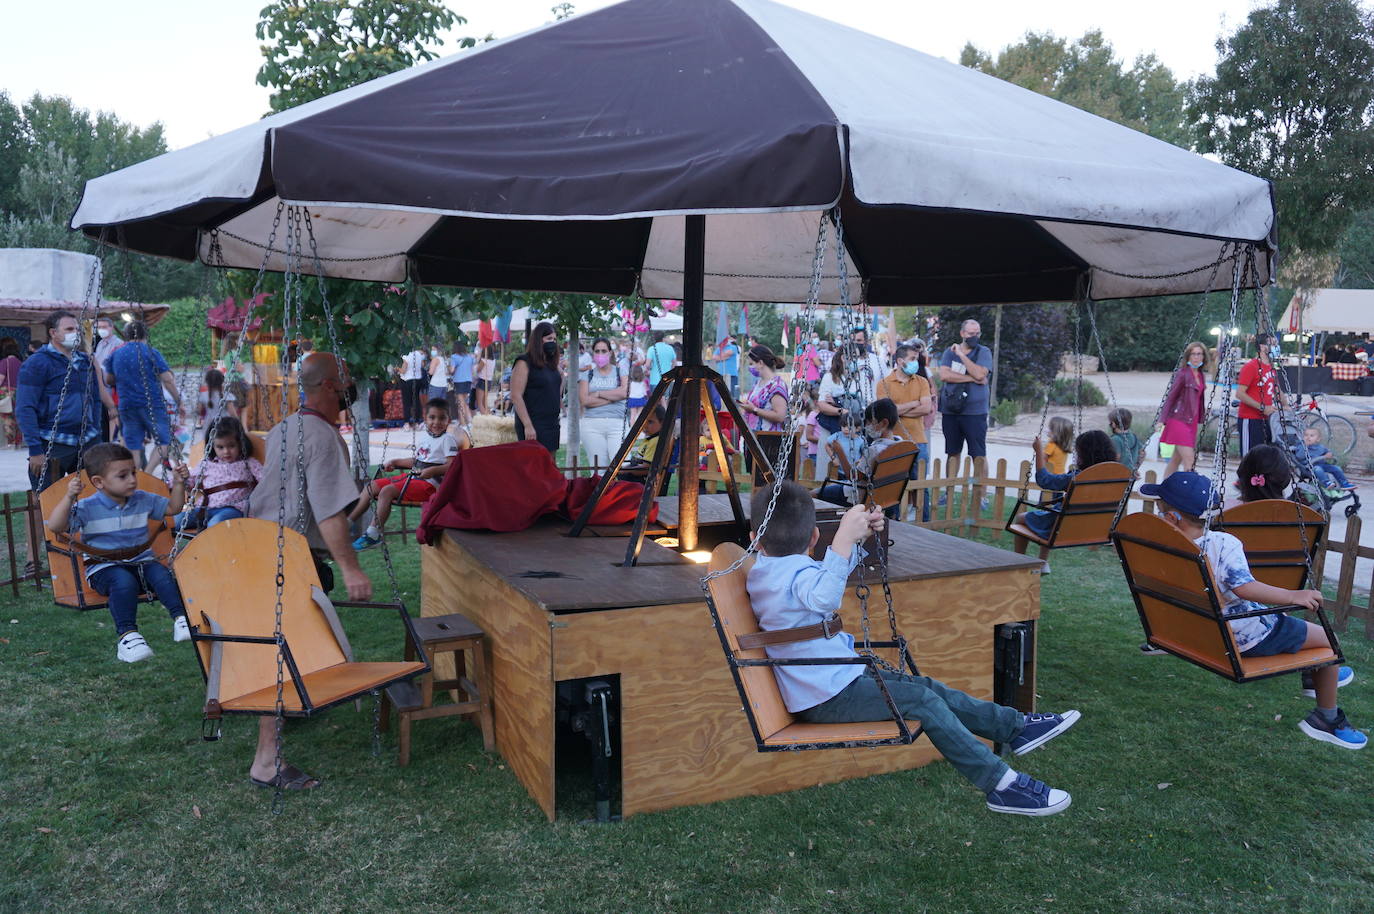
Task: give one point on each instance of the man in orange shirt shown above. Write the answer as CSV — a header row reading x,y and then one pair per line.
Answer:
x,y
907,387
1256,395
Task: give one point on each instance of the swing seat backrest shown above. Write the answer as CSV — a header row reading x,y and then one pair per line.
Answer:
x,y
228,576
68,565
886,485
1280,539
1176,596
775,728
196,452
1087,509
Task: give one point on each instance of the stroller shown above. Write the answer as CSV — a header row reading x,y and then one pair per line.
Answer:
x,y
1287,431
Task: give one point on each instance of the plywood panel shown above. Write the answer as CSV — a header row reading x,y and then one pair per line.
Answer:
x,y
517,631
685,738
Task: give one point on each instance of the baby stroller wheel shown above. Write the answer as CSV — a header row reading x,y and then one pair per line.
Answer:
x,y
1351,510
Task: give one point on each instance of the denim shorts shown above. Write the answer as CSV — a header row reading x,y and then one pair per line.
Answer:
x,y
1286,637
138,426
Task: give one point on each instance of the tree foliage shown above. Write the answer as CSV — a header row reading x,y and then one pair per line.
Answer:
x,y
1292,101
316,47
1087,74
49,149
1033,341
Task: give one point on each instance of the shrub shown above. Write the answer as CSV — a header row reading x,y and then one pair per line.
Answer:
x,y
1062,391
1004,413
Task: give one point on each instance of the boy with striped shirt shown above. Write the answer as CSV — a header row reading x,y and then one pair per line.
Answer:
x,y
114,525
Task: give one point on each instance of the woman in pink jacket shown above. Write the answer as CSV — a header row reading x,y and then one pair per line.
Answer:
x,y
1184,408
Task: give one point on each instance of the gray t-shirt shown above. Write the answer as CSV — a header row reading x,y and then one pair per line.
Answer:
x,y
328,487
977,403
596,382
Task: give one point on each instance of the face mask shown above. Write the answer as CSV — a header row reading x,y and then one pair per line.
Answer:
x,y
872,432
104,333
71,340
602,359
862,347
1195,360
971,341
754,370
912,368
1274,353
434,353
551,350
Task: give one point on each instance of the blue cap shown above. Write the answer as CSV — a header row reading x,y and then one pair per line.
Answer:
x,y
1190,493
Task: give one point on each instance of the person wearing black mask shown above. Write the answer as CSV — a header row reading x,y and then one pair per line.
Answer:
x,y
965,370
536,387
866,362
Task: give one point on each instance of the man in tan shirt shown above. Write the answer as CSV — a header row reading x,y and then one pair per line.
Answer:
x,y
911,392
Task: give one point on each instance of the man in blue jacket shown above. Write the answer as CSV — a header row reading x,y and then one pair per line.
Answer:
x,y
59,425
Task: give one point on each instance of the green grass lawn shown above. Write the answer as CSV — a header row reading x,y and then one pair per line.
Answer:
x,y
1190,794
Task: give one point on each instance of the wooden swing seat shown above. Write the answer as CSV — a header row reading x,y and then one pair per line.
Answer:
x,y
1176,596
775,728
886,485
227,576
1086,510
66,560
1280,539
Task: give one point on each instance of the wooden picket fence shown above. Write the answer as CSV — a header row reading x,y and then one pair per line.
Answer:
x,y
1349,603
16,508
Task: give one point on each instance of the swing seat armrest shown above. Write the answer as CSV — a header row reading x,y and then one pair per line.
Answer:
x,y
366,605
1267,611
197,635
808,661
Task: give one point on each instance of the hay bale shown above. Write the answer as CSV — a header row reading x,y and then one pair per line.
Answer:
x,y
488,429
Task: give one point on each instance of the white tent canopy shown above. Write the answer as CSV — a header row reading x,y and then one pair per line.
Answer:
x,y
666,322
1332,311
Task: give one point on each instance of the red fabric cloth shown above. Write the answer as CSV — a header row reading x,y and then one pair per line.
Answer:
x,y
502,487
414,491
619,504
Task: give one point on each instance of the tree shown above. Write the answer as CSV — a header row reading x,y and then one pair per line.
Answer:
x,y
321,46
49,149
1033,342
1356,252
1087,74
1292,101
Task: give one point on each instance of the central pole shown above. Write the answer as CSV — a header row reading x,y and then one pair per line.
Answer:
x,y
693,311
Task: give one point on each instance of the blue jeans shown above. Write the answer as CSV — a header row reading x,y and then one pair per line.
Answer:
x,y
1325,472
206,517
123,583
137,425
950,718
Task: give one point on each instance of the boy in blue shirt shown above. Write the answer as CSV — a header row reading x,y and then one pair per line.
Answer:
x,y
1183,500
115,521
789,589
1323,463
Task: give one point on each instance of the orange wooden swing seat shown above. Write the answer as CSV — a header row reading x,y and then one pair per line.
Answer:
x,y
775,728
68,556
1175,594
228,579
886,485
1086,512
1280,539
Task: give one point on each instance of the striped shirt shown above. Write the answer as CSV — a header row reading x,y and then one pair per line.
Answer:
x,y
106,524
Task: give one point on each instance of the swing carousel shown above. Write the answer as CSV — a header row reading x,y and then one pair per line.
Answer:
x,y
763,169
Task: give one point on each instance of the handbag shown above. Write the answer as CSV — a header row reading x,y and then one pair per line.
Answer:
x,y
953,398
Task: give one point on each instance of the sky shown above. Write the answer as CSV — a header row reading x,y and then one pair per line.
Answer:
x,y
191,64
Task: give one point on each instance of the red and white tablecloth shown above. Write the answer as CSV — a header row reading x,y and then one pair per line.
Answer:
x,y
1349,372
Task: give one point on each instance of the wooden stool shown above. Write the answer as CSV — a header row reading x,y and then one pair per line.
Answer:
x,y
453,634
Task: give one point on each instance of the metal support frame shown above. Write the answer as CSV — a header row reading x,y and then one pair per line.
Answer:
x,y
686,389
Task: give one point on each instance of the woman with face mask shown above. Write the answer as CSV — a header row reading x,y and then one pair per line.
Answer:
x,y
1184,408
536,386
603,388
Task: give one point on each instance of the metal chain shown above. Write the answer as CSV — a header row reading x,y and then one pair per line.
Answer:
x,y
1215,266
1225,379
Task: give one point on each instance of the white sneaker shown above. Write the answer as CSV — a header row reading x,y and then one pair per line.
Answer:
x,y
181,631
132,648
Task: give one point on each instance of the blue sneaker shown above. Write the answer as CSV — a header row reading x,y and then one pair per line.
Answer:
x,y
1040,729
1337,732
365,542
1309,685
1028,797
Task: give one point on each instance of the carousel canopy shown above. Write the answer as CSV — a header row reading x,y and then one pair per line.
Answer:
x,y
566,158
1331,311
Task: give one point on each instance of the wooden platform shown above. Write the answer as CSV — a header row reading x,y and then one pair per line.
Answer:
x,y
556,608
